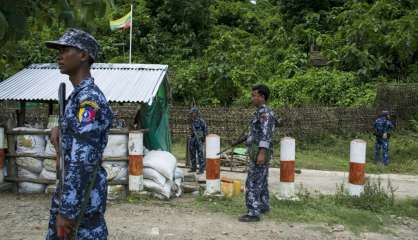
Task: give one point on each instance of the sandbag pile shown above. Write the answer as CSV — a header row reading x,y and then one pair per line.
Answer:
x,y
30,167
160,175
117,146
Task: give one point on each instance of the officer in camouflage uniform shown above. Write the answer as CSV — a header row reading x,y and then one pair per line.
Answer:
x,y
382,127
199,132
85,126
260,149
117,121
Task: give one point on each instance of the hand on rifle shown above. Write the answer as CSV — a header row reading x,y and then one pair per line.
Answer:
x,y
67,224
261,157
55,137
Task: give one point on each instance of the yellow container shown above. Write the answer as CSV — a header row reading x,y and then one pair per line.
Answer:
x,y
237,187
227,189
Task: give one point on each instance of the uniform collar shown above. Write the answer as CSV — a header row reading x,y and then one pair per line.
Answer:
x,y
84,83
261,106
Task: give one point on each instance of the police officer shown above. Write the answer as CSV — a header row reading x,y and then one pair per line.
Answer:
x,y
260,148
382,127
117,121
85,126
199,131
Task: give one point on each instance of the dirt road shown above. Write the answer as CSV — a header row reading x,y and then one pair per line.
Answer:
x,y
25,217
326,181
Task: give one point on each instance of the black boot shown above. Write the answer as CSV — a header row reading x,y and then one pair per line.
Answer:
x,y
248,218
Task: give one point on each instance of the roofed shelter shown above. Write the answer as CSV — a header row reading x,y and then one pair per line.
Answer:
x,y
145,84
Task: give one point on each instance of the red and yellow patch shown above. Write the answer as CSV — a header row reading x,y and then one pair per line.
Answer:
x,y
87,112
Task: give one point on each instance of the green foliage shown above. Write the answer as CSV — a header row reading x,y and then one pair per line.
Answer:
x,y
375,197
325,87
217,49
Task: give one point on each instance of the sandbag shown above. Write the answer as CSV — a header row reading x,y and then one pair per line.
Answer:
x,y
161,161
116,170
32,164
177,187
117,146
164,190
21,172
30,143
45,174
28,187
115,192
49,148
178,173
50,165
155,176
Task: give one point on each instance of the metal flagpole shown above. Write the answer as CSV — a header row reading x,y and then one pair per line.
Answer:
x,y
130,36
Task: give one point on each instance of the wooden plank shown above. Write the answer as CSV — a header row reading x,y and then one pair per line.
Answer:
x,y
50,182
6,187
29,132
12,157
17,155
114,131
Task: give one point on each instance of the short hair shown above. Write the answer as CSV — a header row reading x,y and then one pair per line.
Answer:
x,y
263,90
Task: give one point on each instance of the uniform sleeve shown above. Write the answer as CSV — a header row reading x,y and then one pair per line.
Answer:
x,y
390,126
267,126
205,128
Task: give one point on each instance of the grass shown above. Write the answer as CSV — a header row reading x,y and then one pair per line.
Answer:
x,y
331,152
330,209
376,210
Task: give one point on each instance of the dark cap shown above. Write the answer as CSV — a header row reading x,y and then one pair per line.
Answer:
x,y
384,113
78,39
194,110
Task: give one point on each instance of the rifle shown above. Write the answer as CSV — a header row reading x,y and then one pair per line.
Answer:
x,y
60,173
240,140
196,136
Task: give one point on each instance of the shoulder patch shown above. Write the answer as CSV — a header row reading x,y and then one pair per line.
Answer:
x,y
87,112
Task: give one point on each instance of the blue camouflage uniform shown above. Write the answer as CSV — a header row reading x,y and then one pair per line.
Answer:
x,y
260,135
85,128
381,126
199,132
84,133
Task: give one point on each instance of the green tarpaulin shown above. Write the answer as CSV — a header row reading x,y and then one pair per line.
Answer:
x,y
155,118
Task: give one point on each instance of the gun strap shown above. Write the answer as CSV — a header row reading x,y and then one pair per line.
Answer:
x,y
86,200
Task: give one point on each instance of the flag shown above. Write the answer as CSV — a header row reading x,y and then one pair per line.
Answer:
x,y
123,22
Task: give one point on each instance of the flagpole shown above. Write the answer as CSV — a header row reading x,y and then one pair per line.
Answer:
x,y
130,36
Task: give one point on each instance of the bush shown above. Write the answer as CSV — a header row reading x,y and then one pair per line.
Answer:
x,y
375,197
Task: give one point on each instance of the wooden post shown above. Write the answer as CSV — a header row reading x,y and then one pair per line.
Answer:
x,y
50,108
213,165
2,155
136,158
287,169
22,114
11,167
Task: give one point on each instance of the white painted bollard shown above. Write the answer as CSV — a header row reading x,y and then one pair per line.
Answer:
x,y
356,177
136,161
287,168
213,165
2,155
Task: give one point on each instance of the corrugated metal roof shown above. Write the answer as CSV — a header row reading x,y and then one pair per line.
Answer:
x,y
119,82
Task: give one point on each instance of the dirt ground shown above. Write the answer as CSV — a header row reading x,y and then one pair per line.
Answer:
x,y
25,217
326,182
